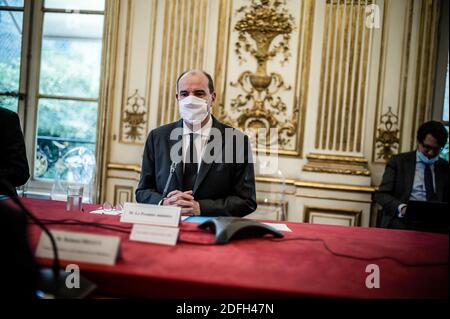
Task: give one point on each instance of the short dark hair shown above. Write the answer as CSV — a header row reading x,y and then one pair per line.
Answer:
x,y
436,129
210,80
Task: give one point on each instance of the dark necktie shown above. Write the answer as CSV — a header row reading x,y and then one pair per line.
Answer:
x,y
190,165
428,179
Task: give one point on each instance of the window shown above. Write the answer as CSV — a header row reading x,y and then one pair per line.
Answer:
x,y
61,81
11,22
441,99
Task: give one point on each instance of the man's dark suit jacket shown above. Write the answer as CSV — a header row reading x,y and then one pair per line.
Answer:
x,y
13,159
397,183
18,267
221,189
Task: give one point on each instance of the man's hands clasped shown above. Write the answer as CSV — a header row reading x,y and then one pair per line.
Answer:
x,y
184,200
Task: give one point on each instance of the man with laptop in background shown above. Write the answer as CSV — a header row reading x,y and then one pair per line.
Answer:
x,y
418,179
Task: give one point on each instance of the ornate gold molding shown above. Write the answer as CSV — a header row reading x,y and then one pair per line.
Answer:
x,y
124,167
337,158
304,195
126,64
387,140
259,104
287,192
299,194
127,121
343,76
336,164
261,179
223,39
134,179
183,47
406,52
134,117
264,179
318,185
404,79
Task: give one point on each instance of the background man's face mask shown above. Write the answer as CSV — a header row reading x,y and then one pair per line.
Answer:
x,y
193,110
426,160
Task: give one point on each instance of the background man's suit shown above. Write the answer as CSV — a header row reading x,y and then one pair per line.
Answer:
x,y
397,183
221,189
13,160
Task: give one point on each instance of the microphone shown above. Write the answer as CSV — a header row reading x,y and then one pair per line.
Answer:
x,y
56,265
52,282
173,166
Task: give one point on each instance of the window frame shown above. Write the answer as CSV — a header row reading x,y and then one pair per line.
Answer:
x,y
21,94
32,40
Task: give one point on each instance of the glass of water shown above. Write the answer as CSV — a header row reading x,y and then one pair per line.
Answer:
x,y
74,198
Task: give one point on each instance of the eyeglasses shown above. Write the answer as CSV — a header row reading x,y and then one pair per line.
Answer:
x,y
109,209
428,148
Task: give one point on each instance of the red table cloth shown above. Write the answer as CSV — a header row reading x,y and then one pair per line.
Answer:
x,y
262,267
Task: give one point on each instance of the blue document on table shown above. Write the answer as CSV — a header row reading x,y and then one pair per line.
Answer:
x,y
197,219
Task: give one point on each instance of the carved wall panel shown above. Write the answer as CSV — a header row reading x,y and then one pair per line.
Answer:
x,y
183,47
138,47
265,79
425,64
342,100
405,84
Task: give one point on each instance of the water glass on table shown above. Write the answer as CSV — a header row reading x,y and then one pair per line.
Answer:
x,y
74,198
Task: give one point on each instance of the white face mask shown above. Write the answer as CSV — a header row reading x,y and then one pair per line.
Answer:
x,y
193,110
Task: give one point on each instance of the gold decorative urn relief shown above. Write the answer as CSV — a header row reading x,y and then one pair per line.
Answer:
x,y
258,106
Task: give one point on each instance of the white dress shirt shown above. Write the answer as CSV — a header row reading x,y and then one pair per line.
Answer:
x,y
201,137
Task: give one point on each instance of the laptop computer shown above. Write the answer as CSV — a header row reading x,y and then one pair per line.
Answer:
x,y
428,216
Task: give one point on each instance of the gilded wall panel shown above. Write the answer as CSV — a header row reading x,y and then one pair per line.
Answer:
x,y
425,64
136,85
390,113
264,84
183,45
343,79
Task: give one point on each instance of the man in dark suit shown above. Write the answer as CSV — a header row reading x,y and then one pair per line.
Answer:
x,y
13,160
421,176
206,180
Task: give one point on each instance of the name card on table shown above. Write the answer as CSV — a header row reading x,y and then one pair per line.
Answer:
x,y
82,247
151,214
155,234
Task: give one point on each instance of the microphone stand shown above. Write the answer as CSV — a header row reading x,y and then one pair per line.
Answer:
x,y
173,166
56,265
52,282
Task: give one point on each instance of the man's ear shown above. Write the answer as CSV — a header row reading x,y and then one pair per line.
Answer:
x,y
213,98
